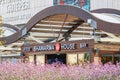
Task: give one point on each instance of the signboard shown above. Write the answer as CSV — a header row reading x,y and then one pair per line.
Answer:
x,y
92,23
84,4
67,46
20,11
108,47
24,31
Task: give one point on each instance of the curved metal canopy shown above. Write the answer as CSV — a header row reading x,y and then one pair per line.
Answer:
x,y
10,26
8,30
65,15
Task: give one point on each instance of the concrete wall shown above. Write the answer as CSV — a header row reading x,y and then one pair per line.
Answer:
x,y
97,4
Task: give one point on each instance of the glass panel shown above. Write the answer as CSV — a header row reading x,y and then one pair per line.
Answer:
x,y
116,59
106,58
53,58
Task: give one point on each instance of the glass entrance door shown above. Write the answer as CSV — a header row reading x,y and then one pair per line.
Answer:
x,y
53,58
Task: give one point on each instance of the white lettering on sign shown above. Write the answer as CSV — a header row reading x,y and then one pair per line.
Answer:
x,y
68,46
15,5
44,48
52,47
19,6
83,45
19,17
27,49
8,1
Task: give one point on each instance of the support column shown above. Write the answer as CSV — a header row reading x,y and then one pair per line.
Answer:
x,y
97,59
113,58
34,59
91,55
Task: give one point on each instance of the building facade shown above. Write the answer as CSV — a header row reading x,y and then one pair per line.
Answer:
x,y
98,4
19,13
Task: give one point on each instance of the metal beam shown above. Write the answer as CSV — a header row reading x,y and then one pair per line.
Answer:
x,y
79,22
33,38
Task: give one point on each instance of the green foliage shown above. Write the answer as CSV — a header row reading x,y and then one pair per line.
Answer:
x,y
86,57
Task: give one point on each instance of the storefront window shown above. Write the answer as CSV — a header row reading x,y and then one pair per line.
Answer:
x,y
116,58
109,57
53,58
106,58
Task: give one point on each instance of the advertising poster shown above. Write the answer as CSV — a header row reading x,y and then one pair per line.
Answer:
x,y
84,4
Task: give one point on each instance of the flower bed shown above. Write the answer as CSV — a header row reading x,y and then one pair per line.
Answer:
x,y
29,71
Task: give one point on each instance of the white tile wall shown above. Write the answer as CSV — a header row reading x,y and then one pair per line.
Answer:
x,y
97,4
15,17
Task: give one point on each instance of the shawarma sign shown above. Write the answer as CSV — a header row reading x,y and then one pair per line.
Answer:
x,y
66,46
